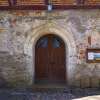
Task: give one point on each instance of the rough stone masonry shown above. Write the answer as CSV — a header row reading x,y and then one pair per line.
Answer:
x,y
15,28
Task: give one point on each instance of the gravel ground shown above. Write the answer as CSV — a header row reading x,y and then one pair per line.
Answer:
x,y
48,94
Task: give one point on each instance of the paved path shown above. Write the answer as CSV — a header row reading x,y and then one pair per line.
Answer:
x,y
49,94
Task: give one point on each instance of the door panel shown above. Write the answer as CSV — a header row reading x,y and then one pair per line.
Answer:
x,y
50,59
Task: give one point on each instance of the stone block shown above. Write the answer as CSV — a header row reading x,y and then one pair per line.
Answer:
x,y
95,82
76,83
85,82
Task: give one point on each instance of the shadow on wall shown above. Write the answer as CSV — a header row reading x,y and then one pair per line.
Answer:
x,y
3,82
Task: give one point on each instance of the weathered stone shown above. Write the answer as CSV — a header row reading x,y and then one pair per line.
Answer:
x,y
17,43
76,83
95,82
85,82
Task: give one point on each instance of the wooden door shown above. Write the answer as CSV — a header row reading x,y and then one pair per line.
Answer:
x,y
50,60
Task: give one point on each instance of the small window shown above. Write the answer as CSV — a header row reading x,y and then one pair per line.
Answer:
x,y
43,42
56,43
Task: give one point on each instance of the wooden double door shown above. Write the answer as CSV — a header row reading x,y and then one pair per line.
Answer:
x,y
50,58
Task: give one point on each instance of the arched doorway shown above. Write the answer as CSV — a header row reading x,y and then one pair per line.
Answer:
x,y
50,60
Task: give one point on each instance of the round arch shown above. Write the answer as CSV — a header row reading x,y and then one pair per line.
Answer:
x,y
64,34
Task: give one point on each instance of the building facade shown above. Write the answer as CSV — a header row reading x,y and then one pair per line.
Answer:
x,y
21,30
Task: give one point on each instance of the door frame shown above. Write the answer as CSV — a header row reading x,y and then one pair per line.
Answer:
x,y
70,45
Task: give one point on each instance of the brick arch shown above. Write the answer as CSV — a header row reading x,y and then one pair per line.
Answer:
x,y
64,34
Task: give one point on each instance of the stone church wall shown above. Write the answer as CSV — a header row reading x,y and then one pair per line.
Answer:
x,y
15,28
